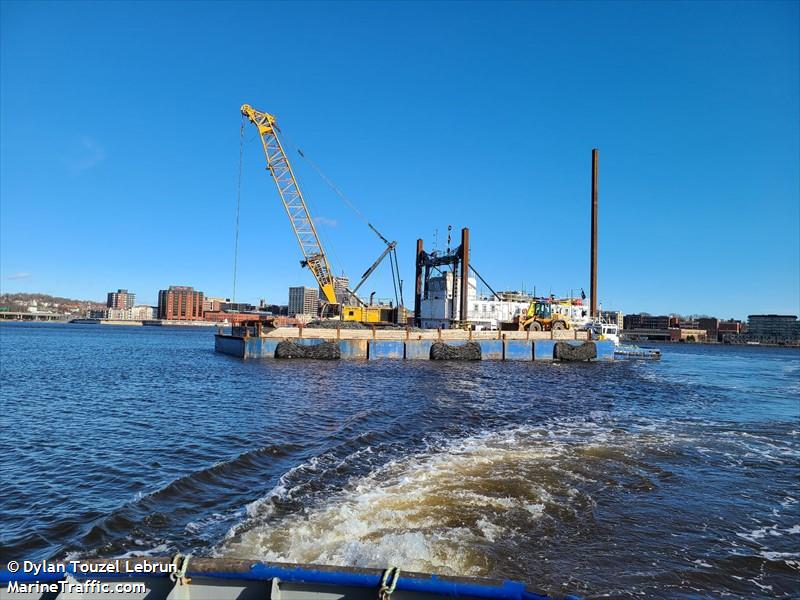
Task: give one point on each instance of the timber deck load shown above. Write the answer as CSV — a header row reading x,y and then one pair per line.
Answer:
x,y
411,344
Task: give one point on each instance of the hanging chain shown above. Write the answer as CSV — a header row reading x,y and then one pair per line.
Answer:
x,y
388,583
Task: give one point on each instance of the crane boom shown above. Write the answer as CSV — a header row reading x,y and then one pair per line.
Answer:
x,y
278,164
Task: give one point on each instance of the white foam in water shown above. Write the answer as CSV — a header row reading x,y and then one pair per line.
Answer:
x,y
158,550
429,512
457,507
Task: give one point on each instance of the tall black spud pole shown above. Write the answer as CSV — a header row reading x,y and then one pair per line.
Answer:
x,y
593,251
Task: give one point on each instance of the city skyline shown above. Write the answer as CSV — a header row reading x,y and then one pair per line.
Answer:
x,y
606,313
137,186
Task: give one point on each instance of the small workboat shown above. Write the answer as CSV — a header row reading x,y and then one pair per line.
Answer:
x,y
188,578
629,351
602,330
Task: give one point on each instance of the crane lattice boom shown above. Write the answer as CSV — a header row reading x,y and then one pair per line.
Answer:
x,y
278,164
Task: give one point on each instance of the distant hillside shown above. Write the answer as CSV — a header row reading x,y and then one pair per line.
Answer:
x,y
20,302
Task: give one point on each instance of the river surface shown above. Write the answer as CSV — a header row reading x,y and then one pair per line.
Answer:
x,y
670,479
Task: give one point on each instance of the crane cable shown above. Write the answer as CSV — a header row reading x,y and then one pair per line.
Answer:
x,y
396,282
288,142
332,185
335,188
238,208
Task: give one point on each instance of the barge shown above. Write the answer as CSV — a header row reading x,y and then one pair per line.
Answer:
x,y
254,341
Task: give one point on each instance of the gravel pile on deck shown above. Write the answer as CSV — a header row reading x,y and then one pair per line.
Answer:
x,y
336,325
398,326
442,351
322,351
566,351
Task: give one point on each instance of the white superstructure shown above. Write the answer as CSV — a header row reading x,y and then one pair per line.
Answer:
x,y
440,306
601,330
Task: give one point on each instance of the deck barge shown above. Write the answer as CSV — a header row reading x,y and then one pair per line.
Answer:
x,y
407,344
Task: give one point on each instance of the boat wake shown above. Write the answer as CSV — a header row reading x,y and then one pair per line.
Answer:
x,y
469,507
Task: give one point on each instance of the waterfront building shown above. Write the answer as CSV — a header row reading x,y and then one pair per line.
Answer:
x,y
711,327
777,327
642,321
613,317
687,324
140,312
143,312
275,309
120,299
303,301
682,334
119,314
233,318
732,327
212,304
180,303
236,307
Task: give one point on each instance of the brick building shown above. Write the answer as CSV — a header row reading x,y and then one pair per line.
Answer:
x,y
681,334
180,303
233,318
120,299
212,304
730,328
649,322
711,327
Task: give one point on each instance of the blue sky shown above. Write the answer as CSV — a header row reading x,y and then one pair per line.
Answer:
x,y
120,145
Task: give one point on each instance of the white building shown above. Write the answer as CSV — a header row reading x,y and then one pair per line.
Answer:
x,y
441,306
303,301
140,312
118,314
143,312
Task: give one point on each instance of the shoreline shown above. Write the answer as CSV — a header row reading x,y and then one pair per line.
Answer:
x,y
212,324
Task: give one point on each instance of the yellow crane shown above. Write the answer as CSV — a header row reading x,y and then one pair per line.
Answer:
x,y
314,256
278,164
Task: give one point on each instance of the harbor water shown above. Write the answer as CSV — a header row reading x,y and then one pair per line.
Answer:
x,y
668,479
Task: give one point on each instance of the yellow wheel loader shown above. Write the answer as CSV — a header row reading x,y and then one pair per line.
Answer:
x,y
543,316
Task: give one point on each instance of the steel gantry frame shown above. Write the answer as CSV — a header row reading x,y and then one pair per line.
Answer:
x,y
314,256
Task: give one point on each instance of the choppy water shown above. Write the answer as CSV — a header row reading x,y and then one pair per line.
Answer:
x,y
676,479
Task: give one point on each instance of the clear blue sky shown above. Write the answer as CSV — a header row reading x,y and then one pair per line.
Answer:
x,y
120,145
